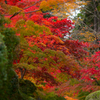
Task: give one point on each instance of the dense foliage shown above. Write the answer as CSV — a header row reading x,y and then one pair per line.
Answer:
x,y
40,54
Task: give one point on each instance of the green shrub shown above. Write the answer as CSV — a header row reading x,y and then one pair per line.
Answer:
x,y
10,39
82,95
27,87
41,95
93,96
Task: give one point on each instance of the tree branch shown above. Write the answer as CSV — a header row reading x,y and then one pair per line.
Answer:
x,y
22,72
24,9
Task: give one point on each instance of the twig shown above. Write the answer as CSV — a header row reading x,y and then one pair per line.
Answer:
x,y
24,9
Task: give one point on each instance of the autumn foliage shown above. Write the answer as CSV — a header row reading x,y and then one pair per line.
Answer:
x,y
43,55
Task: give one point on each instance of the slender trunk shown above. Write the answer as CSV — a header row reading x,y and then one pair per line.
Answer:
x,y
98,14
95,16
22,72
98,33
96,20
96,81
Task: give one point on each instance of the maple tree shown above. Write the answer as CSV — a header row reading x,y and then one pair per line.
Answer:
x,y
42,55
39,45
92,72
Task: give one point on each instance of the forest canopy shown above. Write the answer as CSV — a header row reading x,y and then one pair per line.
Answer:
x,y
39,63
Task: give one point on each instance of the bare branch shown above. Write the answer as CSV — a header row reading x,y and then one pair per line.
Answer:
x,y
32,5
24,9
32,11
